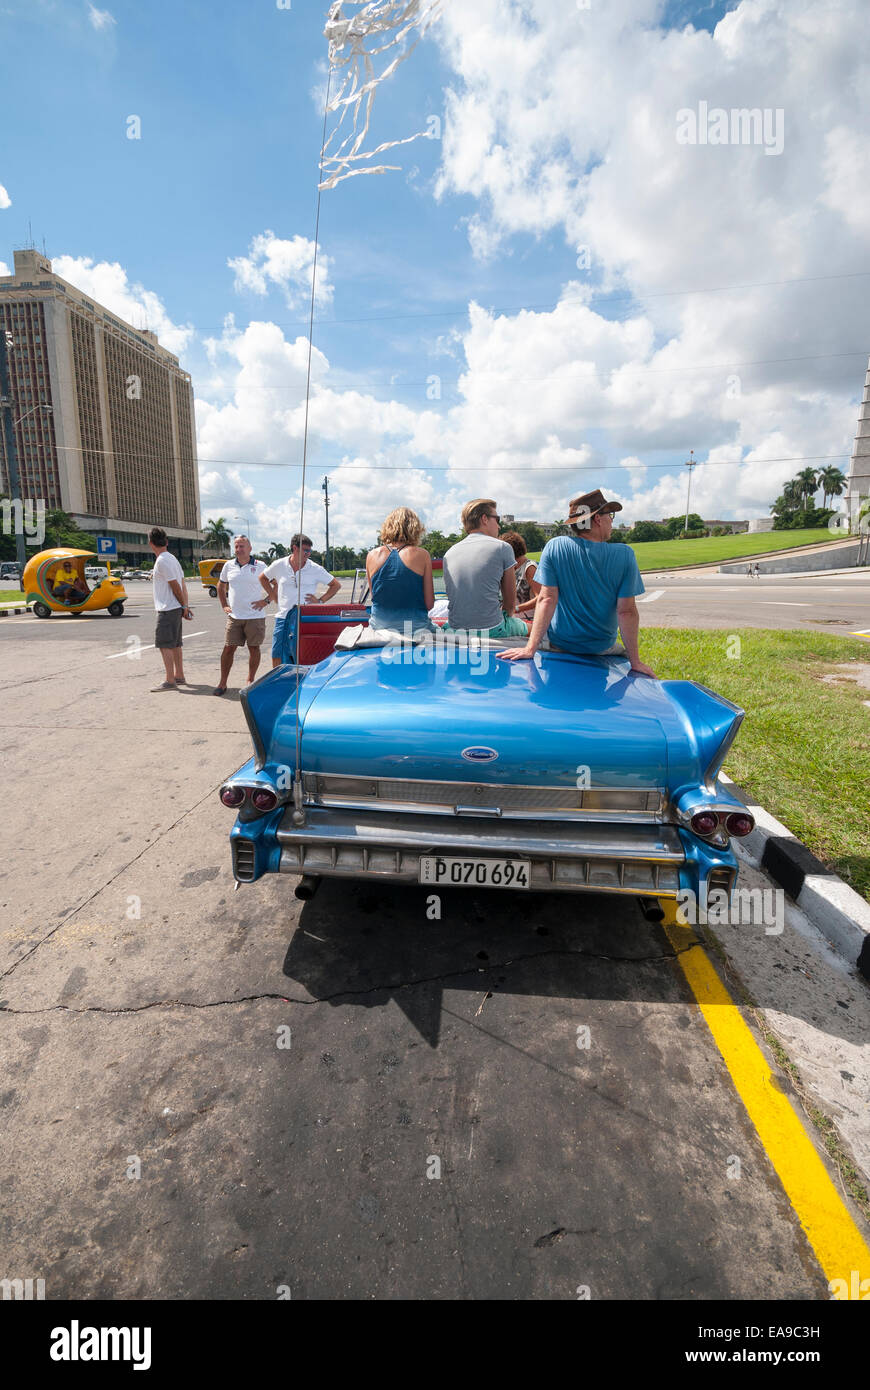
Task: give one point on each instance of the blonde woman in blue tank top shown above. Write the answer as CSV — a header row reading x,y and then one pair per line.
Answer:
x,y
400,574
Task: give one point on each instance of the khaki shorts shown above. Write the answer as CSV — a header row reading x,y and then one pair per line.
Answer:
x,y
245,630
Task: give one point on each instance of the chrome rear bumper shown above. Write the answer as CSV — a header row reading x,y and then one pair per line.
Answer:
x,y
635,859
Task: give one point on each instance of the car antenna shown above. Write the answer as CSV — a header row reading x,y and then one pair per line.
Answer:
x,y
356,95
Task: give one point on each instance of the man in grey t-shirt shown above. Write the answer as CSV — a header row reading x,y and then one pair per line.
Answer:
x,y
479,576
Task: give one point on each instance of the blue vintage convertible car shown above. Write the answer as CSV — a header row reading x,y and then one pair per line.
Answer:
x,y
444,766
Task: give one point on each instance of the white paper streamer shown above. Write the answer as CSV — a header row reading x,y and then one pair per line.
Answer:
x,y
348,37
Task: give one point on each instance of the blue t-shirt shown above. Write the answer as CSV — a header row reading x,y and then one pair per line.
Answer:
x,y
590,577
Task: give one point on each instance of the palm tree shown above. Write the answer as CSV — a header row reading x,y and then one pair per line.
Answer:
x,y
793,494
217,534
807,483
277,551
832,482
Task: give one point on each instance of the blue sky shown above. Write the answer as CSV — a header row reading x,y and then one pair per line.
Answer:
x,y
538,156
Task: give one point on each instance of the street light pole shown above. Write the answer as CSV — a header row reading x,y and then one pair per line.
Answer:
x,y
324,487
690,464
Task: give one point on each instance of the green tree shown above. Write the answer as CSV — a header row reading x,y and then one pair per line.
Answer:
x,y
534,535
277,551
60,529
7,543
217,534
438,544
808,482
832,482
647,531
787,505
676,525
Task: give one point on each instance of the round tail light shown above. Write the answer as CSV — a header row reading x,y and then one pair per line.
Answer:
x,y
705,822
739,823
232,796
264,799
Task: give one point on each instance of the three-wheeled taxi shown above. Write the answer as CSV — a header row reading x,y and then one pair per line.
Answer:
x,y
54,581
210,573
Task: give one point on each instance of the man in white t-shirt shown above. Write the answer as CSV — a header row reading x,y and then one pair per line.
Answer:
x,y
291,581
170,601
241,598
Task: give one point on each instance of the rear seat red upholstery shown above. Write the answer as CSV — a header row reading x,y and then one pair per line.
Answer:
x,y
320,625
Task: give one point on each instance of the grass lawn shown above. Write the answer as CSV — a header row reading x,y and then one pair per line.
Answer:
x,y
803,749
662,555
653,555
7,595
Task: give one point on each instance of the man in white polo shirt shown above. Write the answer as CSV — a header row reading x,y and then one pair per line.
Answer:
x,y
241,598
293,580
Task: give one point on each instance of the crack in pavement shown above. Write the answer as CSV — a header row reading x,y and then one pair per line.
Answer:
x,y
342,993
124,867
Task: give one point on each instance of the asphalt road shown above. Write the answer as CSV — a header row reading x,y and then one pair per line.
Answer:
x,y
210,1093
839,603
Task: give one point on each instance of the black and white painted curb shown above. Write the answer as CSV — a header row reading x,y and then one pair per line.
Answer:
x,y
840,914
7,609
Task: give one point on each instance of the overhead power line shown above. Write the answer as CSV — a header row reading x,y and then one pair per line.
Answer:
x,y
352,384
605,296
453,468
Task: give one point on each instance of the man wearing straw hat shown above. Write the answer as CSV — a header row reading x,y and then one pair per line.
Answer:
x,y
588,588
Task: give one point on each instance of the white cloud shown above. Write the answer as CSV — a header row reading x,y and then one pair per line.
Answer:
x,y
848,178
4,268
5,200
100,19
563,121
286,265
107,283
561,124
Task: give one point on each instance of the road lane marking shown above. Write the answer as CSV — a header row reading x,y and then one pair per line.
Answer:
x,y
838,1244
783,603
146,645
651,598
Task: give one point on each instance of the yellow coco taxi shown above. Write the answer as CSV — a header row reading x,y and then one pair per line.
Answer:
x,y
55,582
210,573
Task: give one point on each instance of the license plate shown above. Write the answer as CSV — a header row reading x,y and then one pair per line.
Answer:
x,y
476,873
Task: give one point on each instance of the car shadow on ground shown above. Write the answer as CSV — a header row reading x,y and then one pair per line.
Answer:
x,y
366,944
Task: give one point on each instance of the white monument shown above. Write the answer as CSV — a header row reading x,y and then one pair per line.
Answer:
x,y
858,483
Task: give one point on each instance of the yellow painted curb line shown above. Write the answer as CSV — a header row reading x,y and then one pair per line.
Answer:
x,y
838,1244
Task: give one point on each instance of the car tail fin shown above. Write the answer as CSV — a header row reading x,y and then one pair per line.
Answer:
x,y
712,721
263,701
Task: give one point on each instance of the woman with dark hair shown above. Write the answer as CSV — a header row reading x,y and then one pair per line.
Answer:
x,y
400,573
527,589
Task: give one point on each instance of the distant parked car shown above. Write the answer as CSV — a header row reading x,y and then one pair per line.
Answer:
x,y
9,570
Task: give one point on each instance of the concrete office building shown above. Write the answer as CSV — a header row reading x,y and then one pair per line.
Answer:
x,y
858,483
118,448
